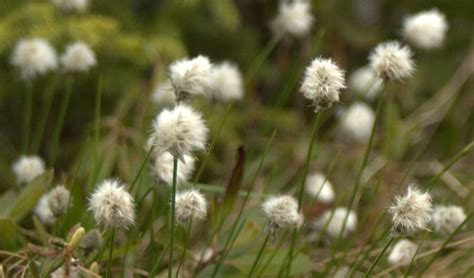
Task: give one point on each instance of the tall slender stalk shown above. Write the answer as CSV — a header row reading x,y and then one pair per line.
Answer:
x,y
262,270
48,100
377,259
173,216
142,166
186,244
262,56
158,262
109,262
27,118
259,255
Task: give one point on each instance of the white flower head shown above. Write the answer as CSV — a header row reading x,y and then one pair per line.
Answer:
x,y
334,222
365,82
179,131
392,61
27,168
163,168
112,205
58,200
317,185
322,83
357,122
411,212
190,76
78,57
446,219
282,213
91,240
226,82
402,252
294,18
426,29
43,211
190,204
71,5
163,95
34,57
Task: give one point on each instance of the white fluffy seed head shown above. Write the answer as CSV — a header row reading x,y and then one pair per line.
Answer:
x,y
163,168
190,76
190,204
317,185
357,122
282,213
446,219
27,168
112,205
91,240
43,211
226,82
179,131
334,221
163,95
71,5
294,18
426,29
322,83
392,61
365,82
34,57
411,212
58,200
78,57
402,252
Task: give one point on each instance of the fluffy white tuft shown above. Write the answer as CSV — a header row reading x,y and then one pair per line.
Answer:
x,y
78,57
34,57
365,82
294,18
190,204
411,212
317,185
163,95
43,211
112,205
190,76
27,168
446,219
334,221
163,168
71,5
322,82
282,212
226,82
426,29
392,61
58,200
402,252
357,122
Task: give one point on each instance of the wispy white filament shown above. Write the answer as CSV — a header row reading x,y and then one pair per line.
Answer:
x,y
426,29
190,204
34,57
294,18
190,76
27,168
282,212
392,61
163,168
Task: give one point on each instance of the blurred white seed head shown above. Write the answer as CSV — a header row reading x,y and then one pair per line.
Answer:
x,y
74,271
402,252
190,204
426,29
58,200
334,221
190,76
78,57
392,61
411,212
365,82
34,57
71,5
293,18
163,168
91,240
226,82
322,83
317,185
447,218
357,122
43,211
282,213
27,168
163,95
179,131
112,205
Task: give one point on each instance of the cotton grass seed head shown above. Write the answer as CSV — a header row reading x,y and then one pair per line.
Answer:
x,y
357,122
294,18
91,240
282,213
163,168
163,95
34,57
322,83
190,76
317,185
71,5
78,57
411,212
392,61
43,211
112,205
226,82
190,204
365,83
446,219
402,252
426,29
179,131
334,222
27,168
58,200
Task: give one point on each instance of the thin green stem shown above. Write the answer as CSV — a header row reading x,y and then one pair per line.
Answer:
x,y
60,122
109,262
186,244
258,62
173,216
262,270
259,255
158,262
377,259
27,119
48,100
142,166
410,266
